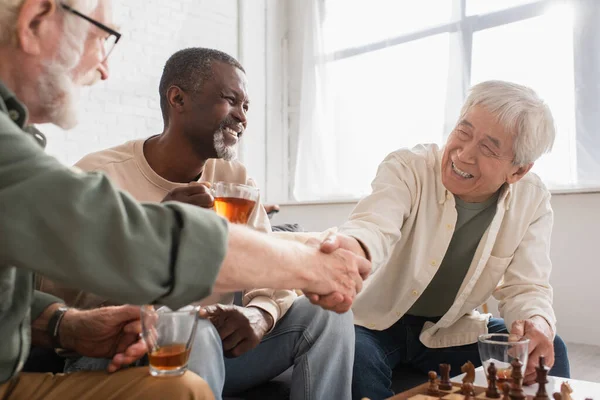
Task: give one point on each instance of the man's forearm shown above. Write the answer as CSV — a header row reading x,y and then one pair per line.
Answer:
x,y
39,327
276,263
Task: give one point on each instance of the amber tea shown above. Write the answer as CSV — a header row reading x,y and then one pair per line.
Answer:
x,y
236,211
169,357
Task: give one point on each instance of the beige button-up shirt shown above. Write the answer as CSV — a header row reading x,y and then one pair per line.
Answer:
x,y
128,169
407,223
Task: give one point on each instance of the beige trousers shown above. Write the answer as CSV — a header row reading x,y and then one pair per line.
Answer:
x,y
130,383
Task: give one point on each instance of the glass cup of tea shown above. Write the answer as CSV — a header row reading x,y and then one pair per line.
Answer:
x,y
169,336
235,201
500,349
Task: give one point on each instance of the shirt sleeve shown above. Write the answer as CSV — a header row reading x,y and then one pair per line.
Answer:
x,y
525,290
41,301
275,302
78,229
377,220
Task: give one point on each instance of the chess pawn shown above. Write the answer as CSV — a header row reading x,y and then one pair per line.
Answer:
x,y
492,390
506,391
433,385
516,387
445,383
557,396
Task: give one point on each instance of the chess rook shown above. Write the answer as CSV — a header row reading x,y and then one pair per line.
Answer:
x,y
445,374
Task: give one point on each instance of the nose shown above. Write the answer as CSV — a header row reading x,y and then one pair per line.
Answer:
x,y
467,153
240,114
104,70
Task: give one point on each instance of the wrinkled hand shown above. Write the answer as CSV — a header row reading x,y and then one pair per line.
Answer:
x,y
196,193
541,343
336,301
107,332
241,328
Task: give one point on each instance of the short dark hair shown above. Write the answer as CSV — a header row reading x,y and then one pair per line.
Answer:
x,y
189,69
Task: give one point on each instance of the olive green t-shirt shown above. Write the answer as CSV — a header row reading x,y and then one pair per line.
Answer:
x,y
472,221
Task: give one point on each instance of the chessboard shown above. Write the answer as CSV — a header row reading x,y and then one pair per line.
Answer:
x,y
421,392
502,385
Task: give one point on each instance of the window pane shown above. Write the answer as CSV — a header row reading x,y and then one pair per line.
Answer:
x,y
351,23
385,100
538,53
475,7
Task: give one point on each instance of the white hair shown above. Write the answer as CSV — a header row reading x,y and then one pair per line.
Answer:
x,y
520,111
9,10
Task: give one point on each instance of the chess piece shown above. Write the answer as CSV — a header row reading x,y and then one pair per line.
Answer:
x,y
433,385
469,370
542,379
445,381
565,391
516,386
506,391
467,390
557,396
492,390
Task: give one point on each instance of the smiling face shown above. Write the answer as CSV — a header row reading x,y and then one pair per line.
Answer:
x,y
478,157
215,116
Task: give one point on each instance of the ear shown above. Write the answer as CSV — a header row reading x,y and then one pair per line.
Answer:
x,y
518,173
177,98
34,24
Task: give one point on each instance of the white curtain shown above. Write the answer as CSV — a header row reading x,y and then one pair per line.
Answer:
x,y
314,179
378,75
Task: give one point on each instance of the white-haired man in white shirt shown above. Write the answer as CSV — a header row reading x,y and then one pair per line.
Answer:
x,y
448,228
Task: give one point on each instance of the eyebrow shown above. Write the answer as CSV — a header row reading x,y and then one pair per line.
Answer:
x,y
494,140
465,122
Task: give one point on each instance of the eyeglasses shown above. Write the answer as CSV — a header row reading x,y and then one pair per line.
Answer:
x,y
113,36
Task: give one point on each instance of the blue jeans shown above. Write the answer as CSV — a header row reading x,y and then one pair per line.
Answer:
x,y
377,353
319,345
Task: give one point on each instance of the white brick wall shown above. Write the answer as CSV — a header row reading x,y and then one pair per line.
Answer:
x,y
126,106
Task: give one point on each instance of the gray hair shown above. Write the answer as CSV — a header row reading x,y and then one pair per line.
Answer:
x,y
520,111
9,10
189,69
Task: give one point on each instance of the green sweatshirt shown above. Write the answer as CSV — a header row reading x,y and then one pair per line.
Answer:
x,y
77,228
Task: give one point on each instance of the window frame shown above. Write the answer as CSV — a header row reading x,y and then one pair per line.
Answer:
x,y
280,147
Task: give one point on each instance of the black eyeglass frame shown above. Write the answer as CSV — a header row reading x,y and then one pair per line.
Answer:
x,y
92,21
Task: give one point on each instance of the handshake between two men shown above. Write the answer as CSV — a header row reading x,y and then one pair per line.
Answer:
x,y
330,273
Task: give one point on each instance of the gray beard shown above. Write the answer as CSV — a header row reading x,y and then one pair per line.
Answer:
x,y
224,152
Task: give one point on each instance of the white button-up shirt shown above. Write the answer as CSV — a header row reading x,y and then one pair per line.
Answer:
x,y
407,223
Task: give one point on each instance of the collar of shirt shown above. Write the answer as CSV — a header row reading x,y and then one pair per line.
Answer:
x,y
17,112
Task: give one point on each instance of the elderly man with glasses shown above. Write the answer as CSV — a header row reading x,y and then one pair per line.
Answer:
x,y
78,229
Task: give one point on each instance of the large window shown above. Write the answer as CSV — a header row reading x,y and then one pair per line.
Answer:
x,y
393,73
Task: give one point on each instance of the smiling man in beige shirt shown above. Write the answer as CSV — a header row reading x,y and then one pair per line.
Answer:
x,y
204,101
448,228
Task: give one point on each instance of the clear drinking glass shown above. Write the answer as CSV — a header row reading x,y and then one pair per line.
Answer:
x,y
497,348
169,336
235,201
